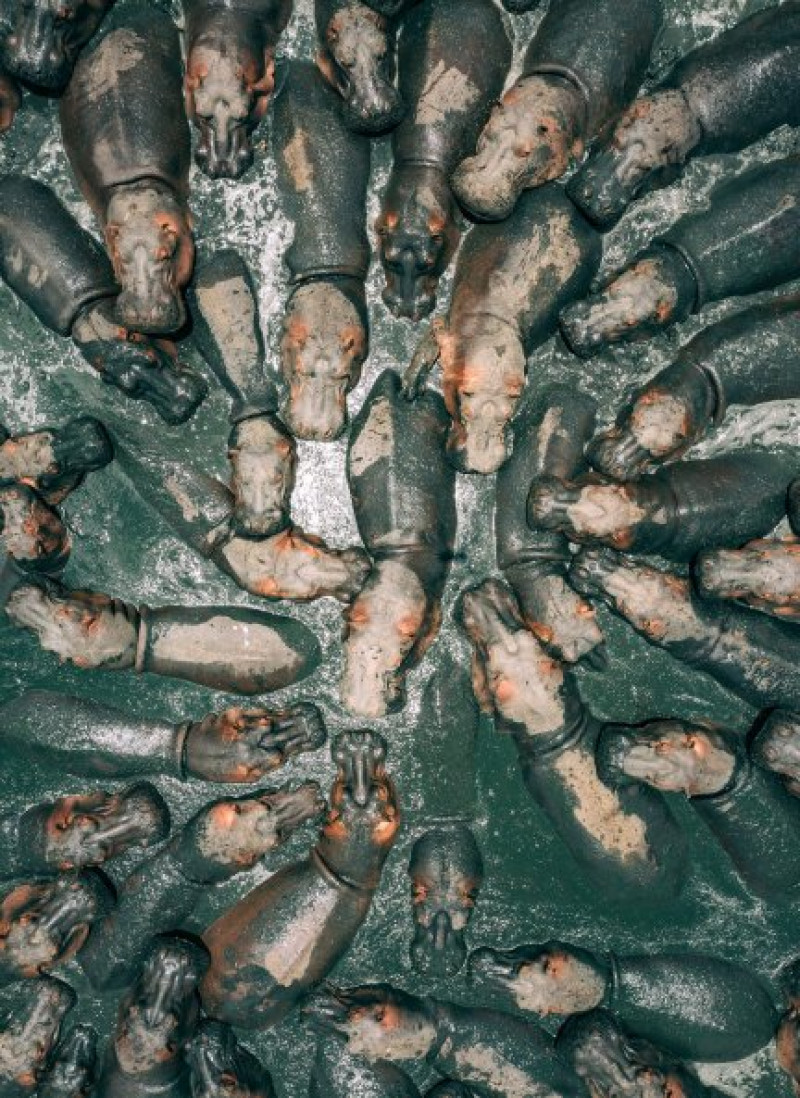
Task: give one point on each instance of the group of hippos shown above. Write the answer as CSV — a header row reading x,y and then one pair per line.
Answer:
x,y
575,509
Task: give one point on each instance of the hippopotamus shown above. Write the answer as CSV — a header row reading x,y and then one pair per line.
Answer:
x,y
289,564
230,76
511,282
78,297
616,1064
76,736
77,832
501,1055
764,575
572,86
449,86
127,139
719,98
446,871
403,493
787,1038
32,534
775,746
704,257
72,1067
226,837
230,648
267,955
45,921
548,436
338,1074
40,41
10,100
747,809
691,1005
357,58
323,172
145,1055
624,839
54,460
226,329
676,511
740,360
32,1014
219,1067
754,656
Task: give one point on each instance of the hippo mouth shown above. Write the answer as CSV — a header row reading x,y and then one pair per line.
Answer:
x,y
439,949
224,153
410,292
492,968
150,301
360,757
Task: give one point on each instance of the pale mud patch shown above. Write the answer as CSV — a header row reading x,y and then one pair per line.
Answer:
x,y
375,440
558,984
605,511
29,529
90,635
229,309
292,565
120,51
654,133
251,648
765,571
27,458
481,1065
446,91
142,1046
564,620
659,423
299,162
658,603
409,1037
639,296
187,505
526,686
293,955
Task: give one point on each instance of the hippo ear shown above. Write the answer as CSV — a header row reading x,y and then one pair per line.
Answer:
x,y
184,263
266,85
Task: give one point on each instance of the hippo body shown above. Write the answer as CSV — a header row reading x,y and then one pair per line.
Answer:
x,y
72,1069
449,87
323,172
32,1013
54,460
742,245
337,1074
721,97
39,46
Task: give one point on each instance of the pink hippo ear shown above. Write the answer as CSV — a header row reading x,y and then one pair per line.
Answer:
x,y
184,263
263,88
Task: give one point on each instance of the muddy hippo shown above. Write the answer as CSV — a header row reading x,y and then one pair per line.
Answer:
x,y
127,139
358,59
625,840
719,98
156,1019
40,40
676,511
77,832
574,83
775,745
338,1074
72,1067
764,575
704,257
754,656
76,736
615,1064
323,172
267,954
548,436
693,1006
503,1056
64,276
54,460
226,648
446,871
219,1067
787,1038
403,493
752,816
32,1014
740,360
224,838
449,86
230,76
45,921
511,281
32,534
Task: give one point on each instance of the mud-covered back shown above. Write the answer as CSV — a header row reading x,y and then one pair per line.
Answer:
x,y
604,46
323,172
448,85
400,480
123,117
46,258
338,1074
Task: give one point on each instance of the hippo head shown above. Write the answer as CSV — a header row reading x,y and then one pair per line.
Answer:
x,y
357,60
615,1065
220,1068
672,756
72,1069
446,871
417,237
45,37
776,747
263,457
325,342
45,922
29,1029
378,1022
31,532
553,978
227,94
83,831
148,235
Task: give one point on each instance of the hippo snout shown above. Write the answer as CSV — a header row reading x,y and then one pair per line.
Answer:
x,y
151,310
487,966
224,155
